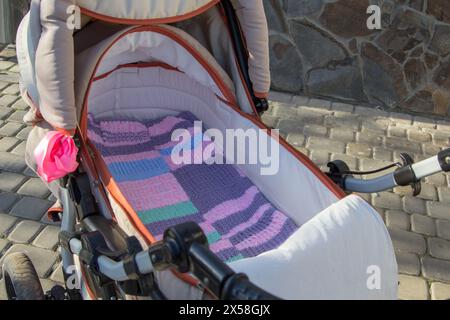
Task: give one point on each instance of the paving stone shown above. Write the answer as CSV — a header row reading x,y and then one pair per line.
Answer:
x,y
440,291
428,192
412,288
312,112
424,122
372,164
13,90
443,125
7,200
408,242
10,77
418,136
338,120
397,144
300,101
20,105
438,179
34,187
444,194
403,191
289,126
6,223
443,229
2,290
7,143
30,173
3,85
4,244
57,275
317,143
435,269
359,150
16,69
380,153
20,149
342,135
270,121
401,118
423,225
370,112
387,200
352,162
42,259
48,238
280,96
12,162
296,139
414,204
31,208
7,100
408,263
441,139
320,157
397,219
5,65
430,149
5,112
283,110
24,231
438,210
48,284
370,137
313,130
344,107
396,132
439,248
23,134
320,103
17,116
10,181
10,129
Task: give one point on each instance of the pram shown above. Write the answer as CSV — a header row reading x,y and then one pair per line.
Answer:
x,y
137,225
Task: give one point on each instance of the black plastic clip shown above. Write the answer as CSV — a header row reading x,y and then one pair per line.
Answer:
x,y
407,161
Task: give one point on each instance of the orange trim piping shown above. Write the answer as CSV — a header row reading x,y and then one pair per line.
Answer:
x,y
166,20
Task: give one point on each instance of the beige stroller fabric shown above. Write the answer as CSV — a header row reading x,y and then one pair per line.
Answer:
x,y
55,52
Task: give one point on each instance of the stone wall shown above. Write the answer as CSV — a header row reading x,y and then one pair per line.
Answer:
x,y
324,48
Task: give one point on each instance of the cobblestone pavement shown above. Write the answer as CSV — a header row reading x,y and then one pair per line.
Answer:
x,y
364,137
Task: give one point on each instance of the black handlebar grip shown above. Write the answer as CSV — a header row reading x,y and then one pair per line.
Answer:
x,y
239,287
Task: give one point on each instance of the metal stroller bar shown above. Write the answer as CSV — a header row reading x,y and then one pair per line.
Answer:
x,y
404,176
184,248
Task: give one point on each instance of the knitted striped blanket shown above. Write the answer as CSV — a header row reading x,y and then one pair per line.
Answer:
x,y
237,218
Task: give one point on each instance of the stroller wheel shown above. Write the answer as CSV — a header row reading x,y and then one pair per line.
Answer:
x,y
21,279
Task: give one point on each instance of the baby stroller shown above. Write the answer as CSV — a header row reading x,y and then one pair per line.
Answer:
x,y
137,225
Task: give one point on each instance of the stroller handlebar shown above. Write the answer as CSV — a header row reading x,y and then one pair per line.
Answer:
x,y
185,249
404,176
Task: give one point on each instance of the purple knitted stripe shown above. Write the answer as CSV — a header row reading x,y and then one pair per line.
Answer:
x,y
226,224
209,185
278,239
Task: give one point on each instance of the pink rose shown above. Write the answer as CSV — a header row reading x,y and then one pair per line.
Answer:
x,y
56,156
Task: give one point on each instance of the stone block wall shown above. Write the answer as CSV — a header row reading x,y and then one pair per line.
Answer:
x,y
324,48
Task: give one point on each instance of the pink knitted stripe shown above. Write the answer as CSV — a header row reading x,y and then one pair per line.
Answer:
x,y
165,126
232,206
152,193
122,126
